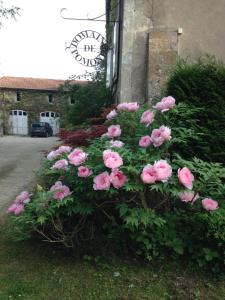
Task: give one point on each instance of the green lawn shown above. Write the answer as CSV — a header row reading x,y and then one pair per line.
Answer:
x,y
33,271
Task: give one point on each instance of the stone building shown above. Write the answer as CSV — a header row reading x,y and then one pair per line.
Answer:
x,y
27,100
148,36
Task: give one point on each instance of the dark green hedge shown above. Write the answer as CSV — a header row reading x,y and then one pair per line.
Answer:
x,y
202,85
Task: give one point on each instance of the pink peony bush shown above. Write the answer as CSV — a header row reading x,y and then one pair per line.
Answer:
x,y
135,186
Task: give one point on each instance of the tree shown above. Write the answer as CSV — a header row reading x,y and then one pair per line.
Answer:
x,y
5,13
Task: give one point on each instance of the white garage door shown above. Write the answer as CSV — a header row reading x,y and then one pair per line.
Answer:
x,y
18,122
52,118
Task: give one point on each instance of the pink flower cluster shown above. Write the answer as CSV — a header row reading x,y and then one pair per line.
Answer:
x,y
60,191
113,131
62,149
61,164
77,157
84,172
116,144
128,106
111,115
147,117
104,180
165,104
160,171
112,159
18,206
159,136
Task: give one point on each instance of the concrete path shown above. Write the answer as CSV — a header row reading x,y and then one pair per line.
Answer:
x,y
20,157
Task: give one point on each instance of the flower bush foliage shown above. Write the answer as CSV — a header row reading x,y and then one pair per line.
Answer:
x,y
128,191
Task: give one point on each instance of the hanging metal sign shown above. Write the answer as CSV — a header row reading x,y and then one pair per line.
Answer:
x,y
86,47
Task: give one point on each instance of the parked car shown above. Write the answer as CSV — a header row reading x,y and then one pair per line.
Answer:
x,y
41,129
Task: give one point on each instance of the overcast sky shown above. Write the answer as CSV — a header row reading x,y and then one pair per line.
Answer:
x,y
34,45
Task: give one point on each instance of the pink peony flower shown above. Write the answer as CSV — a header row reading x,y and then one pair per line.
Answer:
x,y
165,104
188,196
112,159
60,191
117,178
149,174
165,132
84,172
163,170
52,155
186,177
23,197
122,106
102,182
159,136
147,117
131,106
209,204
64,149
145,141
111,115
77,157
116,144
61,164
12,208
19,209
113,131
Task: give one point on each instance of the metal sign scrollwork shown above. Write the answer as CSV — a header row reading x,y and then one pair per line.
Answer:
x,y
86,47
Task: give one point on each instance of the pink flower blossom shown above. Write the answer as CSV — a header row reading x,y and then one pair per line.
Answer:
x,y
60,191
117,178
23,197
165,104
52,155
186,177
165,132
61,164
77,157
145,141
64,149
102,182
188,196
131,106
19,209
112,159
149,174
163,170
116,144
147,117
84,172
209,204
159,136
111,115
113,131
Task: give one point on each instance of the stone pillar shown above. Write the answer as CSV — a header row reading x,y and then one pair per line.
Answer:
x,y
162,54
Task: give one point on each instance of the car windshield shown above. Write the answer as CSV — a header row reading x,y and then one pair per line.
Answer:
x,y
38,125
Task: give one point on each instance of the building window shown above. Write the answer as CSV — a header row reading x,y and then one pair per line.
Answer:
x,y
18,96
50,98
72,100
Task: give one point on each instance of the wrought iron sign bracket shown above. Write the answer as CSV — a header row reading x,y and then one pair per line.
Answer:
x,y
96,19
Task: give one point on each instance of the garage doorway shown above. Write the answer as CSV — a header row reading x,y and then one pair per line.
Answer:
x,y
18,122
52,118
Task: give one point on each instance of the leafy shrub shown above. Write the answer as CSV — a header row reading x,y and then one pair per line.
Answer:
x,y
89,101
81,137
201,85
126,195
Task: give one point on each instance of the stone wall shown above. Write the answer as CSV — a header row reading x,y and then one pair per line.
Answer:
x,y
202,23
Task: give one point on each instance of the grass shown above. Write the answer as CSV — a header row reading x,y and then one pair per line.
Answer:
x,y
34,271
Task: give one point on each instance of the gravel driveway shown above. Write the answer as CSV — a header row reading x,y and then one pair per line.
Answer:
x,y
20,157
